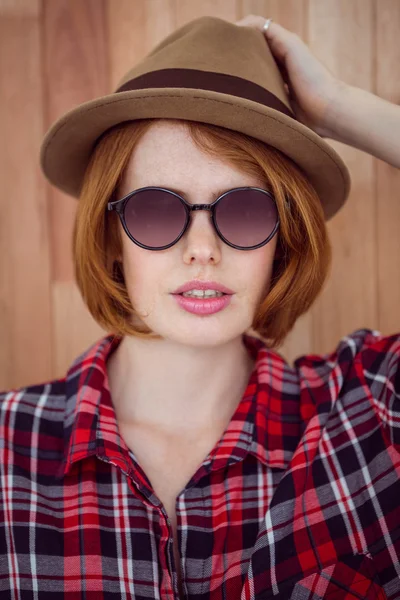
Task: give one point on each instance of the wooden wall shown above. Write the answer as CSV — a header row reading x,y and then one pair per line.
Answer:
x,y
55,54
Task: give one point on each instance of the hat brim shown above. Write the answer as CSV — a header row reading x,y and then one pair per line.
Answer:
x,y
68,144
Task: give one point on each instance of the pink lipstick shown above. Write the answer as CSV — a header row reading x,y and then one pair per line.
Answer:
x,y
203,306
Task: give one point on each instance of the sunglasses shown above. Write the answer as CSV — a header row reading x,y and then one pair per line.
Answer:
x,y
155,218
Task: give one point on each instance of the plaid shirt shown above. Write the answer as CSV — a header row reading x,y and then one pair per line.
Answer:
x,y
299,499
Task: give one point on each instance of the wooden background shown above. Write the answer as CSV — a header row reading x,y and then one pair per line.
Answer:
x,y
55,54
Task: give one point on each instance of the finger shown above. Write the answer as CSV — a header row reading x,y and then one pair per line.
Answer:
x,y
285,43
279,39
283,70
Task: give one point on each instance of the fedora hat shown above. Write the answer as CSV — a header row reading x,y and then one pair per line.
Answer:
x,y
211,71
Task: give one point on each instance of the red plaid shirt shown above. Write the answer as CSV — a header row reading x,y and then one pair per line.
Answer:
x,y
299,499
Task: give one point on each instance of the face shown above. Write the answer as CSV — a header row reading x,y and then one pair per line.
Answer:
x,y
167,157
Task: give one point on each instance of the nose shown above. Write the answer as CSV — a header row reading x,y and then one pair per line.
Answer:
x,y
201,242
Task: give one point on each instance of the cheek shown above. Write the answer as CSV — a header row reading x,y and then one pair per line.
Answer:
x,y
257,271
137,273
144,273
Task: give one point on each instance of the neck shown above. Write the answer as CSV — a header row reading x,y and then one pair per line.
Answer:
x,y
177,387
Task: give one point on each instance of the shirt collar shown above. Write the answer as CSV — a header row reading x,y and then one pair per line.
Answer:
x,y
265,424
86,385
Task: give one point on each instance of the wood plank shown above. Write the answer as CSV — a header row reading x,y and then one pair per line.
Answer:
x,y
77,70
388,177
24,237
20,8
341,36
76,67
151,21
224,9
74,328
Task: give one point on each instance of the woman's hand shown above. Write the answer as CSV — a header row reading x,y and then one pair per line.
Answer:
x,y
311,87
327,105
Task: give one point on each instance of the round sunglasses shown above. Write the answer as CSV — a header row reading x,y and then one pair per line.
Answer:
x,y
156,218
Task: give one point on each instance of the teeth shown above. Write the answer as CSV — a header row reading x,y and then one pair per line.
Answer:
x,y
202,294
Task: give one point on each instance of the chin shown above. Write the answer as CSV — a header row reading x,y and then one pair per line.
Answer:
x,y
205,333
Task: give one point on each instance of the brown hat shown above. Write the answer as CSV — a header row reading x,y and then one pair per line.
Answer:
x,y
212,71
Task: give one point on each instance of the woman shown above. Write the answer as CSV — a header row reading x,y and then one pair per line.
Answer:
x,y
181,457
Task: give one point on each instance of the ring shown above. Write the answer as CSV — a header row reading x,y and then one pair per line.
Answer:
x,y
266,25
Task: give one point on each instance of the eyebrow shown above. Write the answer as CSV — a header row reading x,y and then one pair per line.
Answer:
x,y
216,193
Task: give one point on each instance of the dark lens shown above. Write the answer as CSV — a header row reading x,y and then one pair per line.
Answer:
x,y
155,218
246,217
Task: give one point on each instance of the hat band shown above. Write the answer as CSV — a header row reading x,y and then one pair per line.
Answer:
x,y
206,80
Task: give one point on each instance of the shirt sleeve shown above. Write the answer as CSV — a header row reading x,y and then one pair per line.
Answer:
x,y
364,360
380,362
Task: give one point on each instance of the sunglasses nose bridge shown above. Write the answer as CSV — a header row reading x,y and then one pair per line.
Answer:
x,y
201,207
196,207
207,207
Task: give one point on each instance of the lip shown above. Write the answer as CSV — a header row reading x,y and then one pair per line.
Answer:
x,y
196,284
200,306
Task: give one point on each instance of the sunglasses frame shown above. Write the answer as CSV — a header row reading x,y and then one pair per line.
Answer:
x,y
119,207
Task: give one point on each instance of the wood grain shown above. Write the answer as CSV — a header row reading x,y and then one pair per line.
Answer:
x,y
387,14
341,35
76,64
25,320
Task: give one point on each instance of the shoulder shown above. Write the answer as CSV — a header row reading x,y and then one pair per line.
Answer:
x,y
367,346
373,356
379,367
36,408
363,370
